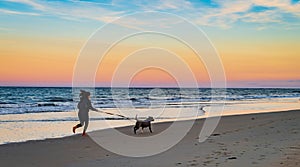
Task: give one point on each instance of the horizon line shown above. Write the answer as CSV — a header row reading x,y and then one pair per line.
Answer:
x,y
146,87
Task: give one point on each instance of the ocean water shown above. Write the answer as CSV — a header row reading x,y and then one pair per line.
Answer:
x,y
30,113
22,100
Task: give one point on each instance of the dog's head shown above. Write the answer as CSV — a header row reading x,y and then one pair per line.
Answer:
x,y
150,119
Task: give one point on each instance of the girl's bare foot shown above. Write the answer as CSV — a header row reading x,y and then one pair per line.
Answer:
x,y
83,134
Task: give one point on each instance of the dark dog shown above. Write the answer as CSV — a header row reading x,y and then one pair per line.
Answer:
x,y
143,123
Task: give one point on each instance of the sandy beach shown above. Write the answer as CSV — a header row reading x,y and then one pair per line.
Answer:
x,y
268,139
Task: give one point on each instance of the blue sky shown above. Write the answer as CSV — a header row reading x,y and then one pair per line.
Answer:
x,y
215,13
37,17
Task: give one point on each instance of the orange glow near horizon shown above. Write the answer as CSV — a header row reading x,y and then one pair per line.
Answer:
x,y
153,76
149,51
52,61
260,61
37,60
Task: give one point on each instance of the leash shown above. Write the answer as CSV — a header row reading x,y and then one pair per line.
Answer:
x,y
119,115
131,119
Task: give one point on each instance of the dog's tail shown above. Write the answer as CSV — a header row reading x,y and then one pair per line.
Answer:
x,y
136,117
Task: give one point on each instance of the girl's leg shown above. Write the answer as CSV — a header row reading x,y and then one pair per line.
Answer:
x,y
76,126
86,123
81,119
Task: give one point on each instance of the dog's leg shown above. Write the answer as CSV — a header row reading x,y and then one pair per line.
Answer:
x,y
134,129
150,129
142,129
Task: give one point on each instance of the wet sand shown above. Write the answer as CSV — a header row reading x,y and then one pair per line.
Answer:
x,y
268,139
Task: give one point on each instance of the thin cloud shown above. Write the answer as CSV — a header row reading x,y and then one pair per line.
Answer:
x,y
262,17
224,13
73,9
173,5
5,29
18,13
230,12
93,2
34,4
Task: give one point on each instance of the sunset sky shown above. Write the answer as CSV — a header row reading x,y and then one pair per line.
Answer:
x,y
258,40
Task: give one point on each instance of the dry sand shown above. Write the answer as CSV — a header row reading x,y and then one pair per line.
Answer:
x,y
268,139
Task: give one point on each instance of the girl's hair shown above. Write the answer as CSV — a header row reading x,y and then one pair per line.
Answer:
x,y
83,94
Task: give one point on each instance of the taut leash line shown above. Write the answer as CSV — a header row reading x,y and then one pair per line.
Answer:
x,y
119,115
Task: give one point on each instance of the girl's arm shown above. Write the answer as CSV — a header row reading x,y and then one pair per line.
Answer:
x,y
91,107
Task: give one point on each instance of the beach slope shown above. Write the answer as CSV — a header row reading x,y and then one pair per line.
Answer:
x,y
268,139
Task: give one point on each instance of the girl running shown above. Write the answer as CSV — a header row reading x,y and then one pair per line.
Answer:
x,y
84,106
